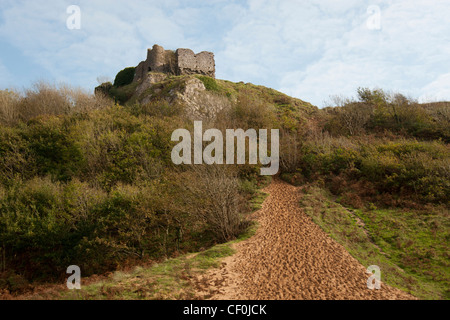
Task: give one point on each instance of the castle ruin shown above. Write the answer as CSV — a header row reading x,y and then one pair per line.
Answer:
x,y
180,62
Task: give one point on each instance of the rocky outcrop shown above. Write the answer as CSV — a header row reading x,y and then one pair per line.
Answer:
x,y
188,92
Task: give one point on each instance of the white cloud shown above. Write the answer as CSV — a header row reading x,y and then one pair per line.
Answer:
x,y
437,90
313,49
309,49
111,36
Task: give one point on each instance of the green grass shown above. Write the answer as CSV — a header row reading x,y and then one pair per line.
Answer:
x,y
411,256
253,187
278,99
209,83
417,241
287,109
257,201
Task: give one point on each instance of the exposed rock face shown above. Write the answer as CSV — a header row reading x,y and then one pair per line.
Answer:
x,y
181,62
190,92
199,103
147,83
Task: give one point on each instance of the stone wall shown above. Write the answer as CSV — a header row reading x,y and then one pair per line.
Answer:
x,y
183,61
190,63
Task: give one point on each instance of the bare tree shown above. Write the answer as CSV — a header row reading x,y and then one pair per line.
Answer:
x,y
354,117
289,150
8,106
212,193
440,113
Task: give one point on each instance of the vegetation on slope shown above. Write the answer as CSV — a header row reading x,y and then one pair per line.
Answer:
x,y
378,170
91,183
174,279
87,180
366,151
409,246
124,77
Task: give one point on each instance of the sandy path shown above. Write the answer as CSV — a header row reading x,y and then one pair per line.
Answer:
x,y
290,257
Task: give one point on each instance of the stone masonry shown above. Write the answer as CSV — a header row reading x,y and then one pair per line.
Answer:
x,y
180,62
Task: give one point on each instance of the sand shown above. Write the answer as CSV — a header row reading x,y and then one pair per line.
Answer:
x,y
291,258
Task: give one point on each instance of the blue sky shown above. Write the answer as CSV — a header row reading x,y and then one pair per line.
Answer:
x,y
308,49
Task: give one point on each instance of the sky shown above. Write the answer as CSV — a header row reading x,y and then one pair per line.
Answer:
x,y
311,50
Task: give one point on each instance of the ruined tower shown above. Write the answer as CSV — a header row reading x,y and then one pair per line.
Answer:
x,y
180,62
190,63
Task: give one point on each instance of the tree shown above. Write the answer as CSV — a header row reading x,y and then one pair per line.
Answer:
x,y
211,193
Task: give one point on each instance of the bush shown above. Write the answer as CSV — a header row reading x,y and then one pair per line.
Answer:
x,y
16,158
157,108
9,101
210,83
211,193
402,168
54,149
46,99
124,77
103,89
46,226
251,112
34,215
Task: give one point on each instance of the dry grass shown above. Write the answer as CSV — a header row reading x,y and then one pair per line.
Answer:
x,y
46,99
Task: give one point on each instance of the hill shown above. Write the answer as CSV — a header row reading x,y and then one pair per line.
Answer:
x,y
88,180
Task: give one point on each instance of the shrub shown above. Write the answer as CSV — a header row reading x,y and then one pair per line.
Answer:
x,y
350,119
9,101
16,158
47,226
120,147
56,152
103,89
124,77
211,193
290,146
33,216
158,108
46,99
251,112
403,168
210,83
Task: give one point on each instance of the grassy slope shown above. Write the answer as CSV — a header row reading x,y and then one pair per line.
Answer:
x,y
163,89
168,280
410,256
